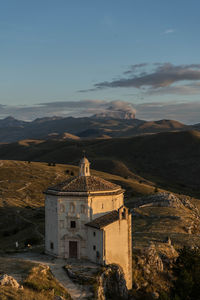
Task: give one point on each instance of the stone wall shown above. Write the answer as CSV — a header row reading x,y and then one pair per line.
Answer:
x,y
118,246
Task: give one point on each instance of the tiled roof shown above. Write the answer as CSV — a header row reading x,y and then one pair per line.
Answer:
x,y
84,184
104,220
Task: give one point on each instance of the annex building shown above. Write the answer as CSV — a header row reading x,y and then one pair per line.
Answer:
x,y
85,218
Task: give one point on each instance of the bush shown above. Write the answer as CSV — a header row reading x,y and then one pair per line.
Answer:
x,y
32,241
186,271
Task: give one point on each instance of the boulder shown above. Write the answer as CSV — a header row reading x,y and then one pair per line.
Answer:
x,y
6,280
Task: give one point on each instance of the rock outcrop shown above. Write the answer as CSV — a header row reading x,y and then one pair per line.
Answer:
x,y
111,284
6,280
166,199
160,199
150,261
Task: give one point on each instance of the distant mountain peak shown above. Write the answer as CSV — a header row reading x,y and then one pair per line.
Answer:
x,y
117,114
11,118
46,119
11,122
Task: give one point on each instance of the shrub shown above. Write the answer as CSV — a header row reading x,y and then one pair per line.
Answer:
x,y
32,241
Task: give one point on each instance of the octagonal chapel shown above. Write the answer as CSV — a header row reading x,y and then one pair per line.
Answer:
x,y
85,218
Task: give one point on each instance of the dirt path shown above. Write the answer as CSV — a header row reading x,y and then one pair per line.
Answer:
x,y
56,265
24,187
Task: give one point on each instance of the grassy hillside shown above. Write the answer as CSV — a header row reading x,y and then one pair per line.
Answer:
x,y
170,160
22,207
22,199
22,219
37,281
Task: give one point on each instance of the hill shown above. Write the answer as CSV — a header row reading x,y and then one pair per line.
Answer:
x,y
158,216
22,199
12,130
170,160
22,205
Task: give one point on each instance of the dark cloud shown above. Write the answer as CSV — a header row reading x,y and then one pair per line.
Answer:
x,y
161,76
135,67
187,89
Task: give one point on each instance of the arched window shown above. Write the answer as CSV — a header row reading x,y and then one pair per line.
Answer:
x,y
62,208
83,209
72,207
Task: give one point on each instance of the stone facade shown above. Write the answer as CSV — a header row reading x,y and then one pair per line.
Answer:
x,y
70,210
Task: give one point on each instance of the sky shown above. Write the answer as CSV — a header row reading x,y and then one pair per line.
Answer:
x,y
76,57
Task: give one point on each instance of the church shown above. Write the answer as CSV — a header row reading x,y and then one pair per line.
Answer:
x,y
85,218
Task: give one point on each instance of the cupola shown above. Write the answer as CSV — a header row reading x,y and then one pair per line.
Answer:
x,y
84,169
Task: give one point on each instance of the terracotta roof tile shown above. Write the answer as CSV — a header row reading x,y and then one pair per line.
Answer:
x,y
104,220
84,184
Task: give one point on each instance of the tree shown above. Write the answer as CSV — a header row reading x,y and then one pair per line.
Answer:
x,y
186,270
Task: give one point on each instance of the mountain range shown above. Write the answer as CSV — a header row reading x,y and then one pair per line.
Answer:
x,y
97,126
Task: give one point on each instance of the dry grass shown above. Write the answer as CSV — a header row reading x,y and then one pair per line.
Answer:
x,y
157,223
22,206
22,219
22,199
38,282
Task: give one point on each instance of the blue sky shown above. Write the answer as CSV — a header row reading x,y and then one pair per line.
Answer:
x,y
60,51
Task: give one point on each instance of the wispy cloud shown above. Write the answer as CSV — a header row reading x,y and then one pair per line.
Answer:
x,y
186,112
65,109
160,77
168,31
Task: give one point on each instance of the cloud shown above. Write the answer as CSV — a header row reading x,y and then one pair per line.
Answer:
x,y
164,75
135,67
187,89
168,31
65,109
186,112
157,78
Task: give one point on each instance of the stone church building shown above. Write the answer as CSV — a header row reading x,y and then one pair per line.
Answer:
x,y
85,218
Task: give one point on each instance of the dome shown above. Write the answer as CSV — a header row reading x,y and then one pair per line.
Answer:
x,y
85,184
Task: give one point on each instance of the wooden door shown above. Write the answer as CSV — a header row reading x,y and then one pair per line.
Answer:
x,y
73,249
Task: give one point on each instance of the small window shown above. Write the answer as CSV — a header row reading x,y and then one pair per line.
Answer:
x,y
51,245
102,206
73,224
94,247
124,214
94,233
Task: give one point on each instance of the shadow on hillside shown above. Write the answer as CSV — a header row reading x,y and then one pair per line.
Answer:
x,y
22,225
